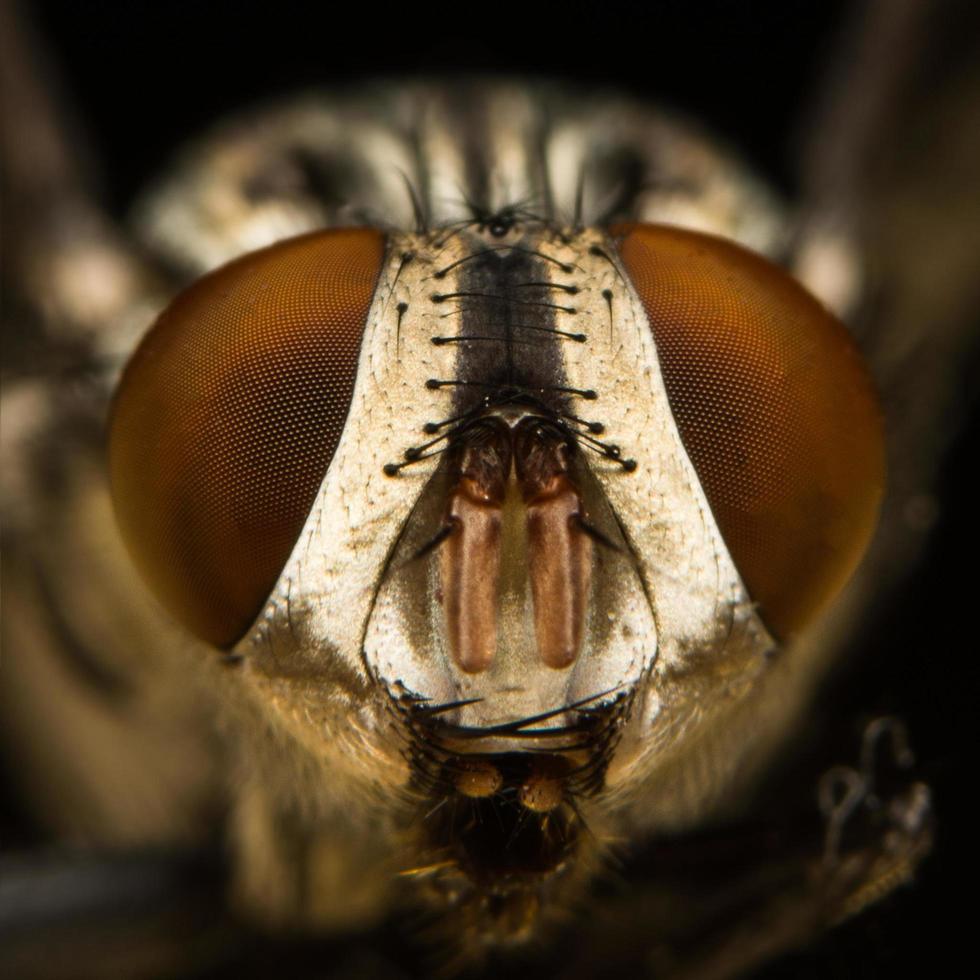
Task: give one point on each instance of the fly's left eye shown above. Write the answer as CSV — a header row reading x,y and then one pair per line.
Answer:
x,y
775,409
228,416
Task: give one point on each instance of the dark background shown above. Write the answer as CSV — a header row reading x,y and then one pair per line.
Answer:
x,y
144,77
147,75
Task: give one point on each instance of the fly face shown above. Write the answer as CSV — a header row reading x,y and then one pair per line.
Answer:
x,y
486,667
509,522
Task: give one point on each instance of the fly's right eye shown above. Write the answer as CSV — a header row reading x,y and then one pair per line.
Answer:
x,y
227,418
775,408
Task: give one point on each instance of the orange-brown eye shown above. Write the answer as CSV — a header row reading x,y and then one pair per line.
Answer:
x,y
775,408
227,417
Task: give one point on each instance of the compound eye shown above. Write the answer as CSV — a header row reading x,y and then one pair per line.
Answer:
x,y
775,409
227,417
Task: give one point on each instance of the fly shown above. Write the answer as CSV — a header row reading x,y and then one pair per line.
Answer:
x,y
503,520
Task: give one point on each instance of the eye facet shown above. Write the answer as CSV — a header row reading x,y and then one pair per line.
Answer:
x,y
775,408
227,417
